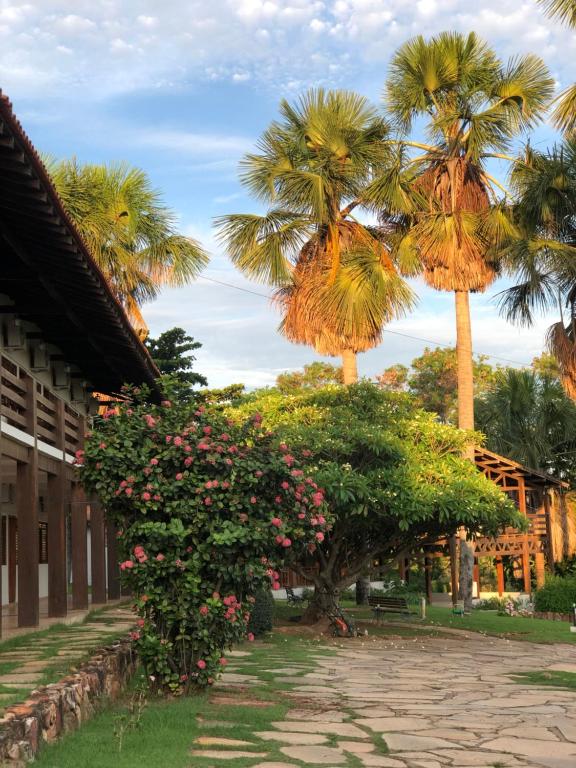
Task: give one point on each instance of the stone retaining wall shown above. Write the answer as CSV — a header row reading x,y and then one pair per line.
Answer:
x,y
62,707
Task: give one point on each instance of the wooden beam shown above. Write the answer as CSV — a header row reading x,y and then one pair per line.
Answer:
x,y
549,532
113,569
454,568
79,548
500,575
98,553
57,503
540,568
27,503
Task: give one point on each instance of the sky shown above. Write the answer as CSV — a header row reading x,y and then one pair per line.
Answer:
x,y
183,89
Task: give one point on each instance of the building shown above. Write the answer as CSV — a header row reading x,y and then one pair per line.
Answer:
x,y
63,335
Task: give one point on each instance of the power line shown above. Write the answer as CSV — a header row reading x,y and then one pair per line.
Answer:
x,y
395,333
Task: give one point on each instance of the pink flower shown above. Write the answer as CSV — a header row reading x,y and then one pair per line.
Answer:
x,y
250,637
301,516
321,519
223,661
277,522
296,473
279,539
253,499
183,678
319,536
102,445
154,462
140,623
288,459
243,517
179,476
146,496
285,485
276,586
207,430
201,664
318,498
178,440
168,438
278,499
128,491
134,635
283,447
166,403
160,557
287,543
187,461
157,497
207,501
204,610
123,484
258,472
127,564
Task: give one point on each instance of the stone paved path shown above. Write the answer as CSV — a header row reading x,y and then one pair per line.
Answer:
x,y
46,657
441,702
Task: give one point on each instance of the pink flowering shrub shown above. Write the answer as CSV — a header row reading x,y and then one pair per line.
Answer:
x,y
208,511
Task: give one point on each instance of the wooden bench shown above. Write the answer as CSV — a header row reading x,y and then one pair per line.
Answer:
x,y
382,605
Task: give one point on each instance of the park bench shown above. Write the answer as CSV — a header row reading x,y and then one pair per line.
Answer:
x,y
382,605
293,598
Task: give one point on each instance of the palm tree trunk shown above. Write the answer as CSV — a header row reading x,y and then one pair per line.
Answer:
x,y
465,421
349,368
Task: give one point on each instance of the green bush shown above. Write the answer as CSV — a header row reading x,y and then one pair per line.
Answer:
x,y
558,595
261,617
490,604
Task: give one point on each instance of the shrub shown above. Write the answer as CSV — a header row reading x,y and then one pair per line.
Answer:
x,y
262,612
490,604
558,595
206,510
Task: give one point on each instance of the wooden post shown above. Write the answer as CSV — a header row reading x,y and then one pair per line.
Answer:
x,y
402,567
79,549
477,575
454,568
540,568
27,511
113,569
500,575
12,523
428,576
98,555
57,503
525,548
549,533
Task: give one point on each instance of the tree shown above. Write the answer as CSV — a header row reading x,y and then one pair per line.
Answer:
x,y
445,205
170,351
545,365
129,231
564,114
433,380
528,417
444,201
207,512
313,376
338,283
544,258
392,475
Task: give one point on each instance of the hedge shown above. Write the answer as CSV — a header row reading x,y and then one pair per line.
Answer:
x,y
558,595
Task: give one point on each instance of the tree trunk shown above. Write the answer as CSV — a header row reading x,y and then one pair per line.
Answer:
x,y
465,421
324,601
362,591
349,369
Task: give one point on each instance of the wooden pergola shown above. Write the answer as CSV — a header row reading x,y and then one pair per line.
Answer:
x,y
63,335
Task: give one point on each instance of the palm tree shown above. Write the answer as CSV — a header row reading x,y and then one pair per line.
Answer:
x,y
544,258
311,169
446,202
564,114
129,231
527,416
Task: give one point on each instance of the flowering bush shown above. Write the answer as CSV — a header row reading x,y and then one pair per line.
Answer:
x,y
207,510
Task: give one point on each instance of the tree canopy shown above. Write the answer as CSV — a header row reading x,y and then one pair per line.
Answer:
x,y
392,475
171,353
312,376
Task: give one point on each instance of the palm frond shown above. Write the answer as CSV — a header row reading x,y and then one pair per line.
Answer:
x,y
564,10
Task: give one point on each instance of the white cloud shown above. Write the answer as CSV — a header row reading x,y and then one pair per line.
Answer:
x,y
270,42
194,144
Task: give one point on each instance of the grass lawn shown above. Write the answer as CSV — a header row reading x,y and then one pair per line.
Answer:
x,y
486,622
553,679
165,732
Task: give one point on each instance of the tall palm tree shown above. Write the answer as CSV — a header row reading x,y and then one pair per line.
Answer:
x,y
129,231
446,203
564,114
450,207
544,258
311,169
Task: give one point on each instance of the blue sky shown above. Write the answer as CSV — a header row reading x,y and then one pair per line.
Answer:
x,y
183,89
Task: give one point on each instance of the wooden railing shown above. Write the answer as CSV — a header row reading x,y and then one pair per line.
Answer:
x,y
17,389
